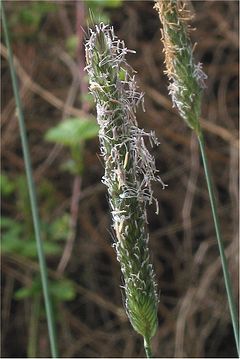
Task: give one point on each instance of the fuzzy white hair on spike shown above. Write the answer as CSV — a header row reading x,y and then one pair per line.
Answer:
x,y
129,170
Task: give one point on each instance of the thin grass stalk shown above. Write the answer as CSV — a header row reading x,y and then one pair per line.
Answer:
x,y
227,279
32,193
147,348
187,81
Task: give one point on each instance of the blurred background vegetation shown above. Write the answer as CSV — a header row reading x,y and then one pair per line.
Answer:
x,y
48,43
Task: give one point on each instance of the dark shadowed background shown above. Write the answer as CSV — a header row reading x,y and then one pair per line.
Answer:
x,y
194,320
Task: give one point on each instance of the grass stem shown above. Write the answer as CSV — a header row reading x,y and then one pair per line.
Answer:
x,y
148,349
32,192
227,280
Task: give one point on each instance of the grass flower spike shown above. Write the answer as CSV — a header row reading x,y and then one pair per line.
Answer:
x,y
185,77
186,85
129,170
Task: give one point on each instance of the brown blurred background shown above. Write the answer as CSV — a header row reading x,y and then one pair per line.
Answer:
x,y
194,319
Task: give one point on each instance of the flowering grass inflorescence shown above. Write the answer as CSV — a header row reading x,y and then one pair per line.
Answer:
x,y
186,78
129,170
186,84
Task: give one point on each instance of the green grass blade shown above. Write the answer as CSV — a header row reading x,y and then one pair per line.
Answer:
x,y
227,279
32,193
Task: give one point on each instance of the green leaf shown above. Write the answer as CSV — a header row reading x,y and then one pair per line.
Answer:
x,y
63,290
32,14
73,131
71,44
13,241
104,3
10,244
59,229
27,292
7,222
6,185
11,232
70,166
29,249
23,293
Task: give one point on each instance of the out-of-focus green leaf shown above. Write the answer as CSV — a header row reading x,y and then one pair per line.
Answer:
x,y
30,249
10,243
7,222
32,13
70,166
59,229
72,131
11,231
27,292
71,44
104,3
23,293
14,241
6,185
63,290
26,248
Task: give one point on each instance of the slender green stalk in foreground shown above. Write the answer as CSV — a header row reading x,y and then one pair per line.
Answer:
x,y
227,279
32,194
129,170
186,85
